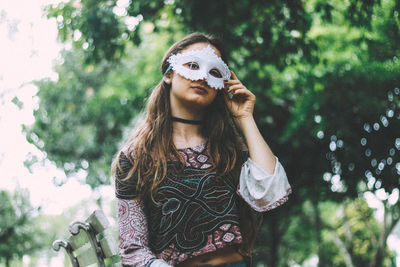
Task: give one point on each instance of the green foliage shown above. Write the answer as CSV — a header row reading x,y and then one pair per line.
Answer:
x,y
346,228
82,116
348,89
96,21
302,67
71,126
299,239
354,224
269,30
324,73
19,232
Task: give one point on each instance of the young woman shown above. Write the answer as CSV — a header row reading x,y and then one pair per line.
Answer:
x,y
189,189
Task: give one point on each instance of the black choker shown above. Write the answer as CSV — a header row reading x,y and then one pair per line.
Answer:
x,y
186,121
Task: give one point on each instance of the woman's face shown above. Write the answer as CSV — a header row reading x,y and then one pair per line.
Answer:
x,y
191,94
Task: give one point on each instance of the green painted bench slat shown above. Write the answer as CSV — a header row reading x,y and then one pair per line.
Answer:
x,y
87,256
91,243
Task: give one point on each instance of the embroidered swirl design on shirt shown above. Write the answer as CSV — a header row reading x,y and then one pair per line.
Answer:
x,y
191,205
210,234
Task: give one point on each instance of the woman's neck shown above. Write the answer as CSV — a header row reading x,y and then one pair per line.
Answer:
x,y
186,135
193,122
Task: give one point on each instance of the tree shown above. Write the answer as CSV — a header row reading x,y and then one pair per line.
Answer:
x,y
19,235
82,117
106,27
307,62
355,232
324,75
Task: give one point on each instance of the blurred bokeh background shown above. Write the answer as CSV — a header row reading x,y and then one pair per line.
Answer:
x,y
74,76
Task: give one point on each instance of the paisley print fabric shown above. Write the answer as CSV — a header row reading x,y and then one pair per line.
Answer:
x,y
132,227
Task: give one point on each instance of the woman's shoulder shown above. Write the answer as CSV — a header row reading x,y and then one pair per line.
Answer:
x,y
124,161
127,152
125,182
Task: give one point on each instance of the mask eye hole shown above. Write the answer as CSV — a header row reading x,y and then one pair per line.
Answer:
x,y
216,73
192,65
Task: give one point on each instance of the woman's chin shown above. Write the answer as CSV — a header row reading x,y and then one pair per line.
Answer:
x,y
199,102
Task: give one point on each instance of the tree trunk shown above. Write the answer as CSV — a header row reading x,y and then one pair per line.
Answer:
x,y
317,221
275,240
273,222
390,219
342,248
380,250
379,255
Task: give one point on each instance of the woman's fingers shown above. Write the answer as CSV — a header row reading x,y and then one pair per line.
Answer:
x,y
242,91
235,87
230,83
234,75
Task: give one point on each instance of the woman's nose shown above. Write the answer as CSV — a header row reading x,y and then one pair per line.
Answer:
x,y
204,81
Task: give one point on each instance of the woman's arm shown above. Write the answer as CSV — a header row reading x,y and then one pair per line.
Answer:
x,y
259,150
263,182
133,236
132,221
241,106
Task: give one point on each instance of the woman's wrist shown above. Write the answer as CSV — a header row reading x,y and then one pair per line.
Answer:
x,y
244,124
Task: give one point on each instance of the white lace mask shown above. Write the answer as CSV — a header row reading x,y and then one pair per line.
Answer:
x,y
201,64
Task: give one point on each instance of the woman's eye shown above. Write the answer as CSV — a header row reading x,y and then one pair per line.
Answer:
x,y
192,65
215,73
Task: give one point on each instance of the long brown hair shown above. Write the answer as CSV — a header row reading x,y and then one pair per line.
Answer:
x,y
151,147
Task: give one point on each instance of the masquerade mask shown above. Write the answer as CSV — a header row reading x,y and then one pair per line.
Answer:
x,y
201,64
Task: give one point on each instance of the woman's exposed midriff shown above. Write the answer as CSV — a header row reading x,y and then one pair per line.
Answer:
x,y
220,256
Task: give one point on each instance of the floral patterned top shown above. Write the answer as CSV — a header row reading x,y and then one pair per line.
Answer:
x,y
195,211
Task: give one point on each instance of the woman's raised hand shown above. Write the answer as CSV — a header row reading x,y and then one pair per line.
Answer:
x,y
241,105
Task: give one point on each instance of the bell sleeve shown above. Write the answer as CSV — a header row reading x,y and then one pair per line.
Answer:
x,y
261,190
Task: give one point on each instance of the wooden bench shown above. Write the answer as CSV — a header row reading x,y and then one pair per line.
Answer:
x,y
91,243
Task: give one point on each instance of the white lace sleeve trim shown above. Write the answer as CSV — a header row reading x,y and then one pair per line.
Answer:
x,y
261,190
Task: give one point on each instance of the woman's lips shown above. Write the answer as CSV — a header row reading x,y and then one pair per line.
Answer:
x,y
199,89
